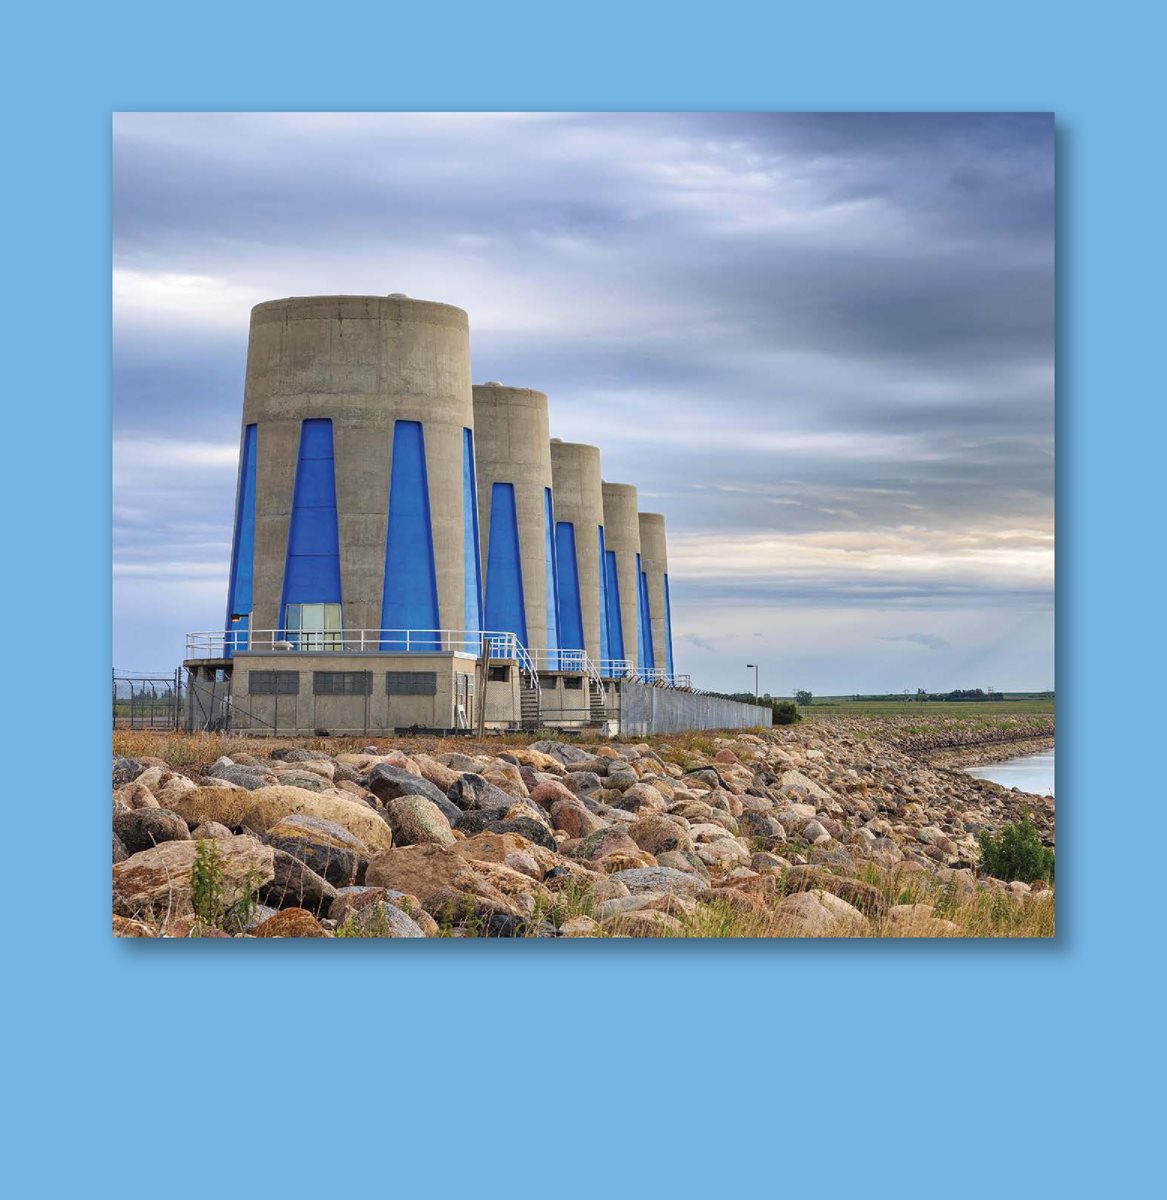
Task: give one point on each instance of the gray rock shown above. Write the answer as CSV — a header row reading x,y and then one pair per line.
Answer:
x,y
382,919
470,791
582,783
303,779
416,820
244,777
295,885
388,783
125,770
141,828
119,851
660,879
836,860
562,752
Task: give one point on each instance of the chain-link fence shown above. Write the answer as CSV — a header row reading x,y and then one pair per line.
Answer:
x,y
148,701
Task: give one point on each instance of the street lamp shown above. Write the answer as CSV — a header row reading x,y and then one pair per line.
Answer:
x,y
754,667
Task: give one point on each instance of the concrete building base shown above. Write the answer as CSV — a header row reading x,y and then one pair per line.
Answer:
x,y
377,694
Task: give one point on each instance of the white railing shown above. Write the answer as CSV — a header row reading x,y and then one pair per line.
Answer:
x,y
354,641
500,644
570,661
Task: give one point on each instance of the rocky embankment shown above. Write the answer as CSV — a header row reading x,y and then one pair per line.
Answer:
x,y
968,742
820,829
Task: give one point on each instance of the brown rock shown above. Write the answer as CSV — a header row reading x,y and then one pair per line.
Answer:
x,y
290,922
572,817
658,833
159,879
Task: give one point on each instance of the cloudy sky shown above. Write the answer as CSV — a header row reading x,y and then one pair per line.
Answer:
x,y
822,345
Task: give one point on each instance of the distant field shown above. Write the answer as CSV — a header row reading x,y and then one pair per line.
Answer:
x,y
829,707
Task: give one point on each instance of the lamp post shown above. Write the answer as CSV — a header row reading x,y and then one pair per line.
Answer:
x,y
754,667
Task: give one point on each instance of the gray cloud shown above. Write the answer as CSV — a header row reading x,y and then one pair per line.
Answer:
x,y
783,327
927,640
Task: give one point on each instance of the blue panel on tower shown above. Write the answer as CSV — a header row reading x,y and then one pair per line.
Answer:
x,y
570,616
615,625
312,566
410,597
605,649
551,574
668,631
505,610
242,551
472,557
644,655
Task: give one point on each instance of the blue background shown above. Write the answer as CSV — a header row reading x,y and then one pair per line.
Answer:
x,y
573,1069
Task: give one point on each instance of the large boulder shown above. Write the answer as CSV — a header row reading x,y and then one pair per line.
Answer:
x,y
328,848
432,873
226,806
415,820
819,914
473,793
441,776
295,885
372,914
125,770
159,879
387,783
362,821
141,828
661,879
572,816
511,850
659,834
243,776
602,843
642,798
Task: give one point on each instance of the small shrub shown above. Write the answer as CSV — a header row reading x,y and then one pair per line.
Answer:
x,y
785,712
206,882
1016,853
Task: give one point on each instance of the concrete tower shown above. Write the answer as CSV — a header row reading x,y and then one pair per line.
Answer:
x,y
356,503
513,461
579,548
622,573
654,565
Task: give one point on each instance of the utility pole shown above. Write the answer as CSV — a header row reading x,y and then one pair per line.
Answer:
x,y
754,667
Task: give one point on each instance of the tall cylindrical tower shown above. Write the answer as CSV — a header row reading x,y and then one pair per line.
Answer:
x,y
654,564
513,461
356,506
622,572
577,491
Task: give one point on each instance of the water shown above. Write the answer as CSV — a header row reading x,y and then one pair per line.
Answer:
x,y
1030,773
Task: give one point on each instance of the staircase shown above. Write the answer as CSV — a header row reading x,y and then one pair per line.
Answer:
x,y
597,703
530,709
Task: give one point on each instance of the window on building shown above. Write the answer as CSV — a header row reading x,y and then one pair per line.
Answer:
x,y
411,683
572,683
273,683
313,626
342,683
499,674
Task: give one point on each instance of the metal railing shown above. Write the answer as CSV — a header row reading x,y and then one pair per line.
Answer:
x,y
218,644
500,644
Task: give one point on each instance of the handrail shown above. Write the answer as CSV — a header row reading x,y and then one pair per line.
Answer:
x,y
500,644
